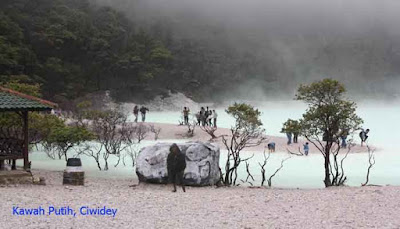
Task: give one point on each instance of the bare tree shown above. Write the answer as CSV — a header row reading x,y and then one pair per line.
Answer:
x,y
156,131
49,152
133,152
248,172
266,158
191,128
93,152
110,127
131,143
296,154
210,130
141,132
246,132
371,161
276,171
239,140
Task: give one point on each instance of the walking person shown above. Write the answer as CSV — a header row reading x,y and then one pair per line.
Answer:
x,y
306,148
136,112
215,116
143,111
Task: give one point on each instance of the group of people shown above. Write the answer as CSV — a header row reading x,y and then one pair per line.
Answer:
x,y
205,117
289,137
271,147
143,110
363,137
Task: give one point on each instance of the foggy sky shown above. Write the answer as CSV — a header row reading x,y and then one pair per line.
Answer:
x,y
347,39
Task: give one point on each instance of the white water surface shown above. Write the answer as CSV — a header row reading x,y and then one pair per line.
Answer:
x,y
298,172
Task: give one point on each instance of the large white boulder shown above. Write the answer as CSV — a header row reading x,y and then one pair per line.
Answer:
x,y
202,163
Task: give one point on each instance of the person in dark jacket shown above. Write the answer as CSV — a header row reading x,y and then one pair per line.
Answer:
x,y
136,112
176,164
143,111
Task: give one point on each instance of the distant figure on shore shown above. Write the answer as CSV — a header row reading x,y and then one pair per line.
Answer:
x,y
271,147
186,115
289,137
363,135
343,137
215,116
203,116
176,164
198,118
295,137
136,112
209,118
207,115
306,148
143,111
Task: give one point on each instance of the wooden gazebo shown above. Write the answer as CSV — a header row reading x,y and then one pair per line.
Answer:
x,y
13,148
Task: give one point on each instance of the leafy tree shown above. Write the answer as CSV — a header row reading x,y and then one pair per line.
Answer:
x,y
291,126
247,132
327,115
47,129
63,138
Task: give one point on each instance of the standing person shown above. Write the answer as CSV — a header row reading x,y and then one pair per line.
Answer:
x,y
295,126
209,118
289,137
136,112
176,164
215,116
207,114
186,115
198,118
203,116
306,148
343,137
295,137
143,111
363,135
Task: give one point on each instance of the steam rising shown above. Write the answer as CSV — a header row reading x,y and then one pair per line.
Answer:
x,y
355,41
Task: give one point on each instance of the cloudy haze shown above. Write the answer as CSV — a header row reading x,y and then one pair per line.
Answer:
x,y
356,41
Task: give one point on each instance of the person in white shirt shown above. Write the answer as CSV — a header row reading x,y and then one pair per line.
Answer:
x,y
215,116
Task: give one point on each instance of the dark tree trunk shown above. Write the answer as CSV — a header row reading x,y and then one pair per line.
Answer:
x,y
327,180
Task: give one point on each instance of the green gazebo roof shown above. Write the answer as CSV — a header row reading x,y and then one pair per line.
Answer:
x,y
15,101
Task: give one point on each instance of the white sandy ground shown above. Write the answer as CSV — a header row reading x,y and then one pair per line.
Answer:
x,y
172,131
155,206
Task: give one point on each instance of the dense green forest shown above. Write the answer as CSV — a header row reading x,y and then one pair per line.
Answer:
x,y
75,48
72,48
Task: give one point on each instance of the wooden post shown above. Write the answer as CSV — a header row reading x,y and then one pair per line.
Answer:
x,y
13,165
26,140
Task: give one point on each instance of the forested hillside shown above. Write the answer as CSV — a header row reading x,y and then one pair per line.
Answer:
x,y
73,48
